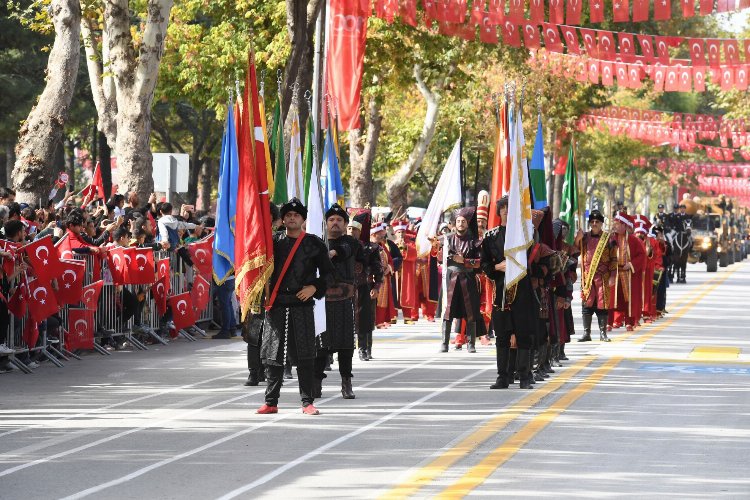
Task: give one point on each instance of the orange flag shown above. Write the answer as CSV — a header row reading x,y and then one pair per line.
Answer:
x,y
500,184
253,243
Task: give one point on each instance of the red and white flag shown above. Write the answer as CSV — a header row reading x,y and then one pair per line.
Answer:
x,y
90,295
42,302
43,258
70,284
201,253
160,290
80,329
183,313
162,270
200,293
118,266
140,262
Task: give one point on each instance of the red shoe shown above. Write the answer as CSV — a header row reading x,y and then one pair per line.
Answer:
x,y
265,409
616,325
629,328
609,328
310,410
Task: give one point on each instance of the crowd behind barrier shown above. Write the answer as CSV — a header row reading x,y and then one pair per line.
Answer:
x,y
80,277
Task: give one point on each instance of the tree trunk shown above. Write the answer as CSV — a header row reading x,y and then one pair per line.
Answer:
x,y
135,80
397,186
43,129
559,181
105,163
362,156
207,172
611,193
102,87
70,162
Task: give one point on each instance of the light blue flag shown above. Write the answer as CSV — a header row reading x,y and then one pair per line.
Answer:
x,y
226,206
333,189
536,171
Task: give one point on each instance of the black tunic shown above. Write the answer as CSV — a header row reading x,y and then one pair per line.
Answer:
x,y
340,325
289,315
368,275
522,318
463,294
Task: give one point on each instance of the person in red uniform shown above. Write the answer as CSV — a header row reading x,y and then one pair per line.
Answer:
x,y
631,258
407,276
385,309
653,262
486,286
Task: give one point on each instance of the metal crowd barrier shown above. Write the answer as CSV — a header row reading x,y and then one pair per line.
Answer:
x,y
108,317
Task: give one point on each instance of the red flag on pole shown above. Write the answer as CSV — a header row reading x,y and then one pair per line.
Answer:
x,y
140,270
91,294
183,313
162,270
253,241
347,35
30,332
18,301
201,253
70,285
159,290
80,329
9,263
118,266
200,294
500,183
43,258
42,303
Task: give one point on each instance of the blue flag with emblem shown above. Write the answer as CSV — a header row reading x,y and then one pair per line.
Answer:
x,y
536,171
226,206
333,189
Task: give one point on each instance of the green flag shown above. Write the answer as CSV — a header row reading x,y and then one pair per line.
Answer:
x,y
569,201
277,143
307,162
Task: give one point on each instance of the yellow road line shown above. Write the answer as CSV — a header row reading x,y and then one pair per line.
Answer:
x,y
709,352
480,472
425,475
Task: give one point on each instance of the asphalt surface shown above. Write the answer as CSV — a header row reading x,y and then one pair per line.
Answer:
x,y
659,413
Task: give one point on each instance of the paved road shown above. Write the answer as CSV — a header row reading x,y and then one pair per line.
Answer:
x,y
661,412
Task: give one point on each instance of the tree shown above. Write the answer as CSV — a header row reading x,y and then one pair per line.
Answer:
x,y
41,133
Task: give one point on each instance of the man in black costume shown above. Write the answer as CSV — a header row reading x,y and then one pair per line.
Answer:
x,y
290,327
512,317
368,276
462,298
340,327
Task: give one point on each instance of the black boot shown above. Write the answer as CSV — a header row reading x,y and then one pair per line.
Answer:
x,y
363,355
503,381
524,369
446,336
471,330
586,328
287,371
602,320
563,356
252,379
329,362
369,345
346,388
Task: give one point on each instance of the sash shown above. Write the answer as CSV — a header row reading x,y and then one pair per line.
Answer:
x,y
588,276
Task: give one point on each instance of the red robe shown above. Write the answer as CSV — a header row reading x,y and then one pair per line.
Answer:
x,y
427,305
654,263
385,309
629,288
408,293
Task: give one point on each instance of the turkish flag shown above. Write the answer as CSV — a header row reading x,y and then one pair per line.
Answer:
x,y
659,75
556,12
727,78
347,34
670,79
713,47
740,81
621,70
725,5
606,44
90,295
596,11
118,267
9,263
662,49
80,329
731,52
200,294
573,12
160,290
706,7
407,9
640,10
42,303
430,12
728,153
536,11
593,68
570,35
607,74
647,47
531,36
477,12
515,11
621,11
183,313
552,40
19,300
589,42
699,78
497,11
511,36
386,10
70,284
662,10
697,51
30,333
627,47
487,32
201,253
43,258
162,270
688,8
140,266
684,75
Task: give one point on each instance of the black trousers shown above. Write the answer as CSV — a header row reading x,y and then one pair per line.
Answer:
x,y
253,358
344,360
275,376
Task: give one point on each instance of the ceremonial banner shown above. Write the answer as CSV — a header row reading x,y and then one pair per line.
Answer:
x,y
500,183
294,181
277,143
536,170
80,329
315,225
346,36
569,205
226,205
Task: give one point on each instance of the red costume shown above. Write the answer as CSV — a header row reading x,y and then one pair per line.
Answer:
x,y
385,310
407,277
